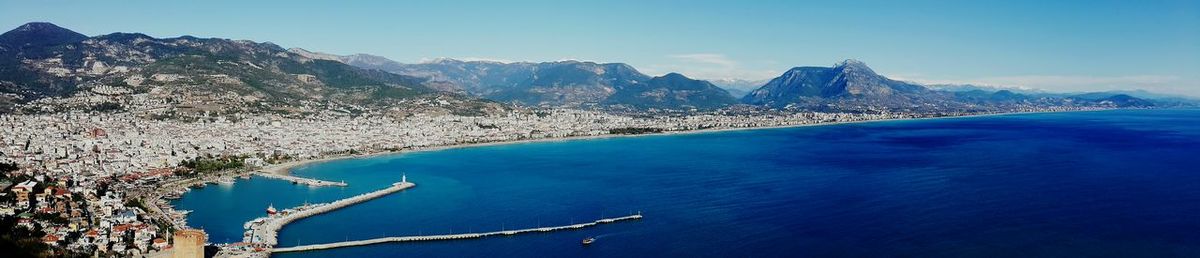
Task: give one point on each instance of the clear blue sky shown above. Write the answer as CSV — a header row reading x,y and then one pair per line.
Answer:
x,y
1057,45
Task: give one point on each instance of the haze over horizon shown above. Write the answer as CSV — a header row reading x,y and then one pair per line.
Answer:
x,y
1061,46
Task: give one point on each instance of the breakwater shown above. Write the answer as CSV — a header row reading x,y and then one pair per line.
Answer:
x,y
449,236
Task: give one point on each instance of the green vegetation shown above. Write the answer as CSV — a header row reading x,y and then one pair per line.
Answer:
x,y
52,218
213,164
486,126
18,241
107,107
135,203
5,168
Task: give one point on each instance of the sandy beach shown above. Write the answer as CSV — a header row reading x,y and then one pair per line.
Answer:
x,y
285,168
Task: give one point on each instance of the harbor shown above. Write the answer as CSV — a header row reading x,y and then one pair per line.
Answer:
x,y
263,232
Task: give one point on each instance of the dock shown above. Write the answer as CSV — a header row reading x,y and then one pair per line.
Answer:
x,y
263,231
449,237
301,180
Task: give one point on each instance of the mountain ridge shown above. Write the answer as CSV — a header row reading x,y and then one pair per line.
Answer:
x,y
570,83
41,62
205,75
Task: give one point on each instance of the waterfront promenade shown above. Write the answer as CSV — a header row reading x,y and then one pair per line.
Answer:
x,y
264,231
449,237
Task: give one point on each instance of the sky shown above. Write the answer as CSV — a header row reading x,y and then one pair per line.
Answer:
x,y
1065,45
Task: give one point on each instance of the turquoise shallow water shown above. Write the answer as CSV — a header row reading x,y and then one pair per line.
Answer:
x,y
1111,183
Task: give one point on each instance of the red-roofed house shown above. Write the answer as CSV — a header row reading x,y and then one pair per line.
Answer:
x,y
160,243
61,193
25,223
50,239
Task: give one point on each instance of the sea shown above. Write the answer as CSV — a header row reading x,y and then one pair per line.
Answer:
x,y
1118,183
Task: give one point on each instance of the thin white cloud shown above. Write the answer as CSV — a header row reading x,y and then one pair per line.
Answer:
x,y
486,59
710,66
707,58
1070,81
467,59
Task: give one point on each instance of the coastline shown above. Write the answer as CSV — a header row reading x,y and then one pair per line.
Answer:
x,y
286,167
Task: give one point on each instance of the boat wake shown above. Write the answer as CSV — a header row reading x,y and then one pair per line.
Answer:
x,y
607,235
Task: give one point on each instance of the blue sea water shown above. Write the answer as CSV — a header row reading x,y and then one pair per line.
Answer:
x,y
1110,183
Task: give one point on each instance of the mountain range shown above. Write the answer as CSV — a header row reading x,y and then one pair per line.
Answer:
x,y
738,87
42,63
561,83
41,60
850,84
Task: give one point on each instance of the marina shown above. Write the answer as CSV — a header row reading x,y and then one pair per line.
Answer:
x,y
263,232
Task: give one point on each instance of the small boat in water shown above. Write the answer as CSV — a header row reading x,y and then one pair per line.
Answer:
x,y
588,241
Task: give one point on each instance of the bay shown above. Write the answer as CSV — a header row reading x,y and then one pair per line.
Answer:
x,y
1109,183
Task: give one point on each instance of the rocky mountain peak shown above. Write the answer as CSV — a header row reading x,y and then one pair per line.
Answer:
x,y
854,66
36,26
40,34
313,55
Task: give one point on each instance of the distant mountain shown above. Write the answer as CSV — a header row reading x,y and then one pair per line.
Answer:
x,y
1122,100
1142,94
851,85
849,80
983,97
561,83
972,87
672,90
1100,99
1161,99
736,93
738,87
201,74
1157,98
314,55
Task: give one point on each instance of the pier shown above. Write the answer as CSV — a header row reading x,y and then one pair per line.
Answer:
x,y
449,237
263,231
300,180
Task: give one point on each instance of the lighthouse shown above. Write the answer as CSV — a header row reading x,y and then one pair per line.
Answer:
x,y
404,178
